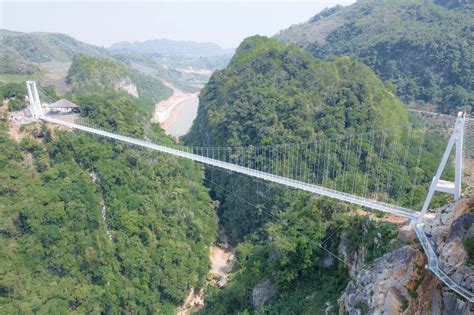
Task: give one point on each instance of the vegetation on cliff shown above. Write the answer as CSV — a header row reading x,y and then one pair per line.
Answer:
x,y
469,246
269,94
15,94
100,74
63,194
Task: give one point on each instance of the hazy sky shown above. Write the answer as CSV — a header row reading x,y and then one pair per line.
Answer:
x,y
103,23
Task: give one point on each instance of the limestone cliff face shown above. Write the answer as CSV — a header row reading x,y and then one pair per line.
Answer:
x,y
127,85
450,227
381,288
398,283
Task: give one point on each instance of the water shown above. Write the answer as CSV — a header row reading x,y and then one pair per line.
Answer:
x,y
185,119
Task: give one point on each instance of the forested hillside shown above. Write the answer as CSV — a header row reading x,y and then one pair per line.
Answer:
x,y
269,94
425,48
100,74
20,53
93,226
46,57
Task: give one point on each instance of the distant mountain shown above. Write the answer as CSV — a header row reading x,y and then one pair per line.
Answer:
x,y
171,48
21,52
187,65
424,47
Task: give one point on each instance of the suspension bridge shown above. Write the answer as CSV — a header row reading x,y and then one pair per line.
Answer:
x,y
370,170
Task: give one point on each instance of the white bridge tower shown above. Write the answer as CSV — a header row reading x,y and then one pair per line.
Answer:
x,y
35,103
437,184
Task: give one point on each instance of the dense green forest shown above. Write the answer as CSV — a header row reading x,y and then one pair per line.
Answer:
x,y
425,48
269,94
93,226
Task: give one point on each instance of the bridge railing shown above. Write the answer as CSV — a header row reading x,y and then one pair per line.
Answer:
x,y
369,203
433,260
376,164
434,265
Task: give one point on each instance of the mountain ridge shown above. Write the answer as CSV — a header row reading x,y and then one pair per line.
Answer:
x,y
424,48
40,47
172,48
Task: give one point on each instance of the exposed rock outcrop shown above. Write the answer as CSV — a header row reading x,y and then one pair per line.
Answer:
x,y
127,85
453,305
354,260
383,286
262,292
449,228
103,207
398,283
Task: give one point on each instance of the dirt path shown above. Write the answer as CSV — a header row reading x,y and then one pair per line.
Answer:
x,y
388,217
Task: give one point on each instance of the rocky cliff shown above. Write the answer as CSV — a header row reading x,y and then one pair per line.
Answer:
x,y
398,283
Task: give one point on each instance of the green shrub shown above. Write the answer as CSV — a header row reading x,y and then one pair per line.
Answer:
x,y
16,104
412,293
32,146
469,247
403,305
13,89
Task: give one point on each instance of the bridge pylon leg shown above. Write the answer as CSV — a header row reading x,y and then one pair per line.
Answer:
x,y
35,102
437,184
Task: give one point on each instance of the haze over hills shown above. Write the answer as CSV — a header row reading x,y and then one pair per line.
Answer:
x,y
42,47
22,53
38,47
172,48
194,62
49,55
424,47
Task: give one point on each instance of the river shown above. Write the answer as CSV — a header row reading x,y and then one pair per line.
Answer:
x,y
184,118
176,114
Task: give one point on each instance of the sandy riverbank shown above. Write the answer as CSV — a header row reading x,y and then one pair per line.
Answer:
x,y
168,111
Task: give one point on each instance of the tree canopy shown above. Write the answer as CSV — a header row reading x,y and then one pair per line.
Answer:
x,y
271,93
93,226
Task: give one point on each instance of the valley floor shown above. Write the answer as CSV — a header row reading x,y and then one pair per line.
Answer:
x,y
222,261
